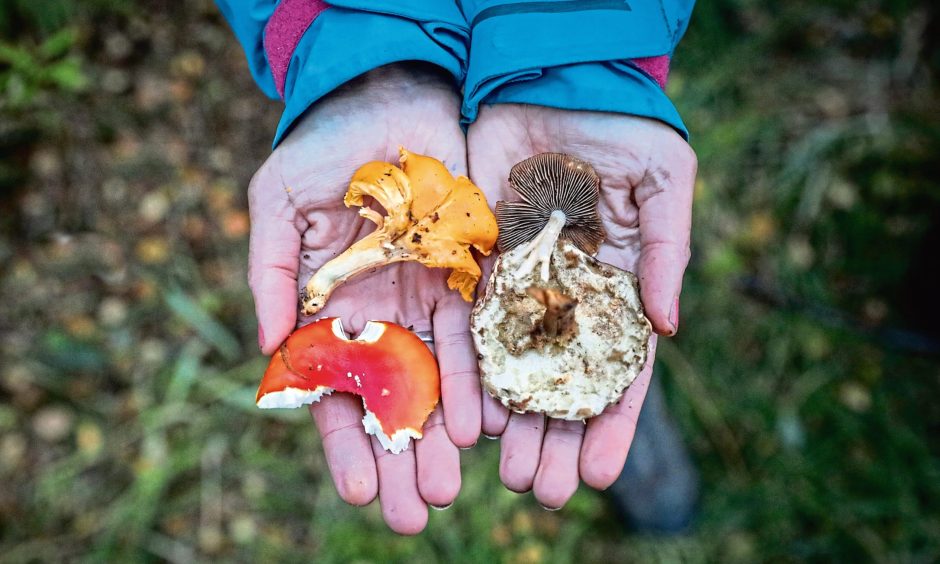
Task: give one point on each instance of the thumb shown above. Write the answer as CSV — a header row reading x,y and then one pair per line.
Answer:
x,y
664,198
273,257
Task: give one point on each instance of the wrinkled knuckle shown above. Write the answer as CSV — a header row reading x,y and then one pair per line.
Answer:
x,y
432,424
568,432
673,252
465,374
454,339
382,456
339,430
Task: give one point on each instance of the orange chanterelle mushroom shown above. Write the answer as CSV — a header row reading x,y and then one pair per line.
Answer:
x,y
432,218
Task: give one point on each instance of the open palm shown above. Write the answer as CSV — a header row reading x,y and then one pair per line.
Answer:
x,y
299,222
647,172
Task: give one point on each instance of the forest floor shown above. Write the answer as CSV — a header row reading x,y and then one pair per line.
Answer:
x,y
805,376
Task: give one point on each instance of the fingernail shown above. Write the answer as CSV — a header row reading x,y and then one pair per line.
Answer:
x,y
441,507
467,447
674,316
550,508
490,437
260,337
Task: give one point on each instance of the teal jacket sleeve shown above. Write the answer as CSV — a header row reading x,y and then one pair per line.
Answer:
x,y
300,50
602,55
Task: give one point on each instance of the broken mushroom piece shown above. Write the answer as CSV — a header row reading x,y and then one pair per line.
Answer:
x,y
432,218
388,366
566,339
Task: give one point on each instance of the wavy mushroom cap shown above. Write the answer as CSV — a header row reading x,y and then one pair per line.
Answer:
x,y
431,217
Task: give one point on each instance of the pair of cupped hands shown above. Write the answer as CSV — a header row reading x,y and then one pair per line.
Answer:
x,y
298,222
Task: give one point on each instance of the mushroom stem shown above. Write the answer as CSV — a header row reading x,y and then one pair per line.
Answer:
x,y
363,256
539,249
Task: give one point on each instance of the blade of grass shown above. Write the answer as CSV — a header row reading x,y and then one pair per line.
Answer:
x,y
704,405
208,328
184,373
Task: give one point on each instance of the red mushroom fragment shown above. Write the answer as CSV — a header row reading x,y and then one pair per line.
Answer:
x,y
387,365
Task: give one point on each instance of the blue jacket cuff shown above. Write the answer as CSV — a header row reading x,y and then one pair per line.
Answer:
x,y
604,87
571,55
342,44
247,22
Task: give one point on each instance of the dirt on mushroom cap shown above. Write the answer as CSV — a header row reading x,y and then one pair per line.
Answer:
x,y
574,376
569,340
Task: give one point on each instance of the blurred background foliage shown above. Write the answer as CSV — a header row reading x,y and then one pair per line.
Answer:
x,y
805,376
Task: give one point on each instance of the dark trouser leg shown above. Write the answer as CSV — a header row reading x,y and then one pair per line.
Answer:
x,y
658,488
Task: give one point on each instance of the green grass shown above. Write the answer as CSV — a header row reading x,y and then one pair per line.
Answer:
x,y
127,430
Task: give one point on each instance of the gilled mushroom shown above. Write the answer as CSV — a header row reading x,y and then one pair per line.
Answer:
x,y
388,366
565,340
432,218
559,198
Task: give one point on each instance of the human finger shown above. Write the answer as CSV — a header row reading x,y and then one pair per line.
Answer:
x,y
519,450
438,461
273,257
348,453
664,199
495,416
608,436
460,381
403,508
557,477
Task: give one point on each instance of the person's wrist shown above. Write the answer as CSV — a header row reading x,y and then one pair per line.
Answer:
x,y
399,94
406,82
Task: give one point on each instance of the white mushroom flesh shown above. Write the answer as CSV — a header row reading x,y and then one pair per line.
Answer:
x,y
571,378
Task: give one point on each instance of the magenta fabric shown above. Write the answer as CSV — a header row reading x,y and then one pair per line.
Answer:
x,y
283,31
656,67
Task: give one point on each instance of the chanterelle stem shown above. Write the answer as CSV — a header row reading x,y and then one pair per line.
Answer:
x,y
364,255
539,249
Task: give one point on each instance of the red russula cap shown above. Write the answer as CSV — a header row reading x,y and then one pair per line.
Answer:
x,y
387,365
